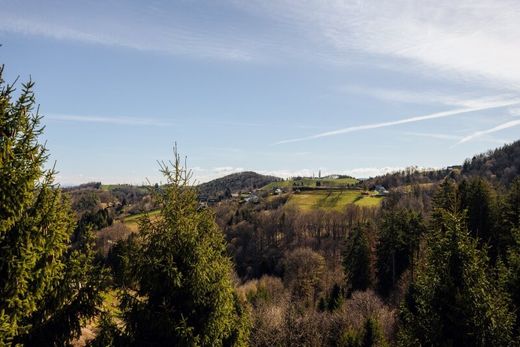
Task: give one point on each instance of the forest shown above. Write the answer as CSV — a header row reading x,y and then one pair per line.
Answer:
x,y
437,263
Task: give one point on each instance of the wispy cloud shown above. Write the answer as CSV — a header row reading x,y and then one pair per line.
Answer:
x,y
122,24
423,97
451,137
435,136
481,133
457,40
431,116
107,120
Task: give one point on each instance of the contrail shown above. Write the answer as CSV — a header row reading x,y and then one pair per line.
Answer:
x,y
436,115
503,126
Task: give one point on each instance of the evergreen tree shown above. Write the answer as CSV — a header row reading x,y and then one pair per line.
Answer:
x,y
335,299
47,286
397,246
454,302
446,197
512,208
513,277
478,199
184,293
372,335
356,260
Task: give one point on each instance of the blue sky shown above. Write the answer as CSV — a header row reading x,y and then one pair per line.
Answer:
x,y
286,87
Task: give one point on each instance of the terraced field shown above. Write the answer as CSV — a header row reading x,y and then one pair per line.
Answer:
x,y
331,200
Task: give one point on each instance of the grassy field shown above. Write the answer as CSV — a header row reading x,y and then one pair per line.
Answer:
x,y
331,200
311,182
132,222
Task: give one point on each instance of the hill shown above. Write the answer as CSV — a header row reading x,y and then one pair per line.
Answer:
x,y
243,181
501,164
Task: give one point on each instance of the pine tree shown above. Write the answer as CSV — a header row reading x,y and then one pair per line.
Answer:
x,y
454,301
47,286
184,293
356,260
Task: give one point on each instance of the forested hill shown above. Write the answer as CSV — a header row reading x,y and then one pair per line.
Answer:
x,y
243,181
501,164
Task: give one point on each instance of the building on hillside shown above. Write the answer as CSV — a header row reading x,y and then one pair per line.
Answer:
x,y
381,190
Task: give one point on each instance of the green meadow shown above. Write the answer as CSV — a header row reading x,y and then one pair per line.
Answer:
x,y
331,200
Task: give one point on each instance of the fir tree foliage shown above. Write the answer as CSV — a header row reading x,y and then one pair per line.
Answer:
x,y
454,301
478,199
48,287
184,293
356,260
397,247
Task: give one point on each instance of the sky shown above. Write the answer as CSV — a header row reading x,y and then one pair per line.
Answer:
x,y
285,87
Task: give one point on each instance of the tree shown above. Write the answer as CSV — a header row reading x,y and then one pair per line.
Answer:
x,y
303,274
513,276
184,292
512,210
454,302
372,335
48,286
356,260
398,244
478,198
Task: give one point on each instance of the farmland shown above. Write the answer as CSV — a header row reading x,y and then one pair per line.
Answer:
x,y
132,222
331,200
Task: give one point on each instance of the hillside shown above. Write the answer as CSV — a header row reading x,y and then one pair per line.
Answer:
x,y
501,164
243,181
327,200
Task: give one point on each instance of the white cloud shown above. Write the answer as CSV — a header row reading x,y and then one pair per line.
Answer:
x,y
435,136
460,40
480,106
481,133
423,97
453,137
119,23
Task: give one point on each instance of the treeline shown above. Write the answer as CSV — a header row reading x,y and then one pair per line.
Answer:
x,y
409,176
501,164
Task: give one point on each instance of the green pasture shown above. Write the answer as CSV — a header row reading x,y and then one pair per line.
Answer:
x,y
331,200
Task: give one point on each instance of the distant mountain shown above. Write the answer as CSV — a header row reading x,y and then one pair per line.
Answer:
x,y
243,181
501,164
